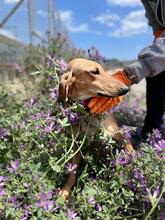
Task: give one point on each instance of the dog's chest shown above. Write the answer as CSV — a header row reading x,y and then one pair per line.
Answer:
x,y
91,125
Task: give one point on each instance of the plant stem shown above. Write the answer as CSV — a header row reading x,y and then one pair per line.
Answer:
x,y
157,201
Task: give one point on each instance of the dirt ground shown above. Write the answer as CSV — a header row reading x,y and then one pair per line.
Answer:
x,y
18,88
139,89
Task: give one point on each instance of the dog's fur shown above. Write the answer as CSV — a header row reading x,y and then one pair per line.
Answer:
x,y
85,79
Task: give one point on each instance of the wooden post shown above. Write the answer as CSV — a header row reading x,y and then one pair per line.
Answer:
x,y
30,15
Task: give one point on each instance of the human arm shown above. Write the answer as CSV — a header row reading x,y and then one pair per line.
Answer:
x,y
135,72
151,60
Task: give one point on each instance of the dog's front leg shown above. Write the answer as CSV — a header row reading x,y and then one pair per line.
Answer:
x,y
110,126
65,191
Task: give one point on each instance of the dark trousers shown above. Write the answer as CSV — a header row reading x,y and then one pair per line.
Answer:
x,y
155,103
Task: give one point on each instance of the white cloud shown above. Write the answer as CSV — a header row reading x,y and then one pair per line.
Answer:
x,y
11,1
67,19
80,28
107,19
7,33
133,24
125,2
42,13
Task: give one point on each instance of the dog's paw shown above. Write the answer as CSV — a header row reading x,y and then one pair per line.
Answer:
x,y
64,194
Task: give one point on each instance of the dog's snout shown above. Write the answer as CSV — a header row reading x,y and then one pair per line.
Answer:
x,y
124,90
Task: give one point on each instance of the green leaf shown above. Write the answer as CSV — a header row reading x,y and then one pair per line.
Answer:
x,y
35,73
64,122
34,167
55,167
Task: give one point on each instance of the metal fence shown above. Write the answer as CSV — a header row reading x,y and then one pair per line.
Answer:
x,y
18,33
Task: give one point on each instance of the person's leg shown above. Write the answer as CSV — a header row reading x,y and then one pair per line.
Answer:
x,y
155,103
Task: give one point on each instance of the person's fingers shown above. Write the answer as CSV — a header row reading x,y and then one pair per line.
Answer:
x,y
109,104
121,98
92,102
98,105
121,76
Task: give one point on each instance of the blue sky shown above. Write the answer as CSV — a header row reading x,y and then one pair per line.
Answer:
x,y
118,28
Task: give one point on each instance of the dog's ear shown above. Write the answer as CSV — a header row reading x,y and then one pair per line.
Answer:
x,y
65,83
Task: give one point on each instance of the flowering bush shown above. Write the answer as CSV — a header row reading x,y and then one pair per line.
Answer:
x,y
36,152
49,50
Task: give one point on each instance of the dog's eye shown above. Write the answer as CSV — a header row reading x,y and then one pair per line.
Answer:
x,y
65,77
95,72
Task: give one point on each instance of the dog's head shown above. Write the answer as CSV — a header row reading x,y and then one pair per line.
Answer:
x,y
85,79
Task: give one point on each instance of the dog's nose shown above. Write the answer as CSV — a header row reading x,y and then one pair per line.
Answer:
x,y
124,90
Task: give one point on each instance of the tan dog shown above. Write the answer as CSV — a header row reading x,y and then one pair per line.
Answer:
x,y
85,79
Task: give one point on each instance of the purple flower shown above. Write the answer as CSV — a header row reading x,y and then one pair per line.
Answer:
x,y
37,116
49,128
98,207
13,199
156,133
57,128
73,117
17,67
3,133
123,158
112,163
31,102
46,196
50,78
162,215
24,216
138,175
44,201
2,192
91,200
2,179
15,126
154,137
53,93
46,205
71,214
63,65
131,185
156,192
50,60
14,166
71,168
65,111
122,161
49,118
126,132
160,145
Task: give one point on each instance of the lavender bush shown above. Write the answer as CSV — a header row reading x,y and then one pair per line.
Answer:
x,y
36,152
